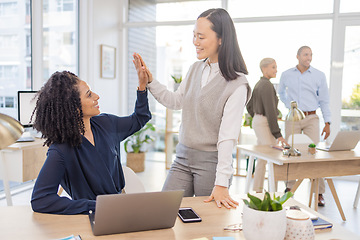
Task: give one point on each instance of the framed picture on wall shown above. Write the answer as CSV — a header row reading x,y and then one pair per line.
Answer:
x,y
108,60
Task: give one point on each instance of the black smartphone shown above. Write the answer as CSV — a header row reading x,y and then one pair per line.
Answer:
x,y
188,215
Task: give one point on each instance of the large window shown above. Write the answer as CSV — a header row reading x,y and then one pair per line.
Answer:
x,y
60,45
60,30
350,114
15,53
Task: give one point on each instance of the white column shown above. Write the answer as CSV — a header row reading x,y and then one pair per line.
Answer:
x,y
123,67
37,43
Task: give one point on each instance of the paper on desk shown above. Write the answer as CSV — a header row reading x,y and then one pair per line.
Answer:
x,y
72,237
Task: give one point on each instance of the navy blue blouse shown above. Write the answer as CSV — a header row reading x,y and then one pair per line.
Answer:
x,y
87,171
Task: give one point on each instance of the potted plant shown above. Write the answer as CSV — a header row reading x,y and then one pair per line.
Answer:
x,y
135,158
177,81
247,120
312,148
265,219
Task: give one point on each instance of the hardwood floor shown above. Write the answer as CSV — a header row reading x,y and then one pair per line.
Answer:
x,y
155,174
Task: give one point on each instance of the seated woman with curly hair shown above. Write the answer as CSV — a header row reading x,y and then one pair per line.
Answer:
x,y
84,145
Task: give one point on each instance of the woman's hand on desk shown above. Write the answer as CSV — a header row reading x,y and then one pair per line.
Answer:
x,y
221,196
282,141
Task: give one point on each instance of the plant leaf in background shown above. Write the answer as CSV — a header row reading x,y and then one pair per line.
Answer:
x,y
177,79
137,140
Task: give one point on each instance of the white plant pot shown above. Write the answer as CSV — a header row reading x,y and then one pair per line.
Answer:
x,y
264,225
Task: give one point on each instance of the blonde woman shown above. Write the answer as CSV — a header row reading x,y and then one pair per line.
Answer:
x,y
263,108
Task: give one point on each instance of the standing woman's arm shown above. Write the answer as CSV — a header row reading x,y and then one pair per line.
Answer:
x,y
228,135
268,99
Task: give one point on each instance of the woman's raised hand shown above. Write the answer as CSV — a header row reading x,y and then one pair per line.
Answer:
x,y
143,72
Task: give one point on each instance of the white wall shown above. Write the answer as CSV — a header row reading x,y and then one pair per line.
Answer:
x,y
104,16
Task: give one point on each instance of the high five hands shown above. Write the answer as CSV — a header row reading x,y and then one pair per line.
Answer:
x,y
143,72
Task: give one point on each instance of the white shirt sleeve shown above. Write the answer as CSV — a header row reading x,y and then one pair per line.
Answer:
x,y
228,135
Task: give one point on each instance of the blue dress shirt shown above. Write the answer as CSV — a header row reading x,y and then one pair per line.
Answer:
x,y
87,171
309,89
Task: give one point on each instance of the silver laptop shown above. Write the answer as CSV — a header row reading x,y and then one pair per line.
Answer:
x,y
121,213
343,141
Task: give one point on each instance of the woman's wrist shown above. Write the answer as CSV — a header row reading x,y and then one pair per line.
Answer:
x,y
141,88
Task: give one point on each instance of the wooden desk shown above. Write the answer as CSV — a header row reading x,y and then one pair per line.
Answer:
x,y
20,222
21,162
320,165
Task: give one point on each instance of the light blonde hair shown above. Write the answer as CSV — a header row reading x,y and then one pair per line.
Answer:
x,y
266,62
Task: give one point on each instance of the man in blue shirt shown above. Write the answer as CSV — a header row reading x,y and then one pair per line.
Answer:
x,y
307,86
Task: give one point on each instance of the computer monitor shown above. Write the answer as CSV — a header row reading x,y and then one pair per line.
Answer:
x,y
26,106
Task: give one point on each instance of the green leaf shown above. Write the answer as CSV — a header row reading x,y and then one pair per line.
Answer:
x,y
253,206
285,197
136,148
125,145
138,139
275,205
176,79
265,205
246,202
276,198
256,201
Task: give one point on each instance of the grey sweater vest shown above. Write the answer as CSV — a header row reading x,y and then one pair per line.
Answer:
x,y
203,108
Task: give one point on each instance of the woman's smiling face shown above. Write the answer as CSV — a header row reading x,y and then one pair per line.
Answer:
x,y
89,100
205,40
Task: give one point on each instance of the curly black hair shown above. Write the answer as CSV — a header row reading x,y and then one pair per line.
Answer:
x,y
58,112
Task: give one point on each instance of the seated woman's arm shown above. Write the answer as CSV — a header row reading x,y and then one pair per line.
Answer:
x,y
128,125
45,198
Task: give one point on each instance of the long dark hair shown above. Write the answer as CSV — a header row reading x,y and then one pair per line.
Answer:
x,y
58,113
230,58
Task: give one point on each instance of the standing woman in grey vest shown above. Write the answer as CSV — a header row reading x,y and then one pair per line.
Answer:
x,y
212,97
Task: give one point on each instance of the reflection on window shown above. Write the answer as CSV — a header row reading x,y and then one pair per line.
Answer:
x,y
8,8
15,53
261,8
9,72
9,41
9,102
60,31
